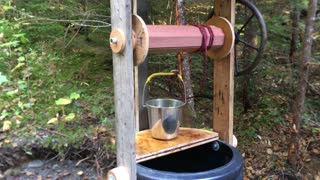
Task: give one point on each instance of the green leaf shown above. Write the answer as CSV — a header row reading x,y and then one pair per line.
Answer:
x,y
12,93
8,44
19,65
3,79
4,114
6,8
53,121
70,117
74,95
21,59
63,101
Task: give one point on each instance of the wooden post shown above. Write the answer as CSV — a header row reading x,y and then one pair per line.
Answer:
x,y
121,19
224,80
142,11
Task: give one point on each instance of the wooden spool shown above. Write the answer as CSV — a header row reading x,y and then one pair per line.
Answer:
x,y
174,38
229,37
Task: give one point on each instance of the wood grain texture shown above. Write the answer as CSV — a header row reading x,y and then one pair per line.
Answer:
x,y
141,37
229,37
224,80
119,46
124,88
149,148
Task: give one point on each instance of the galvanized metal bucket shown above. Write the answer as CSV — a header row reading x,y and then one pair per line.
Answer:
x,y
164,115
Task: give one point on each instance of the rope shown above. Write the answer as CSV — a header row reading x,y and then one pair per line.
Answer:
x,y
204,47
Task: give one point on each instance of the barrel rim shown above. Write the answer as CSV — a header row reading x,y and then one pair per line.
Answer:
x,y
231,165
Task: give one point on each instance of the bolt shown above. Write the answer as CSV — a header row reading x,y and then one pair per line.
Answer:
x,y
111,177
113,40
215,146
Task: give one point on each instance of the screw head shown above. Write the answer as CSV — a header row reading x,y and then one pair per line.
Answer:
x,y
113,40
111,177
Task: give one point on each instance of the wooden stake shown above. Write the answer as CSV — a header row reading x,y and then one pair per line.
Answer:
x,y
223,80
124,88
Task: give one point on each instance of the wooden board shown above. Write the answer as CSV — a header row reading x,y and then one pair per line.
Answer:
x,y
224,80
149,148
124,88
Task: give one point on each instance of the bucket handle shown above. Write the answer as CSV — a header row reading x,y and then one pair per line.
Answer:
x,y
163,74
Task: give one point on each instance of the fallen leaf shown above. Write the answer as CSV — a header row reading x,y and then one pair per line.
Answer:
x,y
276,147
269,151
6,126
269,143
250,168
53,121
32,100
28,173
70,117
74,95
66,174
80,173
259,137
316,151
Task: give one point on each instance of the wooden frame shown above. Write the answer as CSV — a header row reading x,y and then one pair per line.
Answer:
x,y
121,19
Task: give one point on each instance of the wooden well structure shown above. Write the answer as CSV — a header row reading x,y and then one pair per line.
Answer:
x,y
131,40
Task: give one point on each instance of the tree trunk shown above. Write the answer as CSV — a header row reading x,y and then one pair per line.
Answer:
x,y
295,33
298,106
189,112
251,37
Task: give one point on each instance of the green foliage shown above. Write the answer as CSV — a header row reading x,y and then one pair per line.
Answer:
x,y
63,102
36,73
3,79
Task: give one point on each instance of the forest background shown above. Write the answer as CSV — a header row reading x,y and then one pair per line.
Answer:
x,y
56,84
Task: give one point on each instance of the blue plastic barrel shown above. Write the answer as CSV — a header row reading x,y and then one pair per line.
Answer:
x,y
211,161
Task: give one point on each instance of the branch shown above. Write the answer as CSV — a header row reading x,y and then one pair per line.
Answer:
x,y
313,89
312,64
76,22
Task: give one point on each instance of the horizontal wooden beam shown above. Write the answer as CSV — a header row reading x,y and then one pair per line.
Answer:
x,y
173,38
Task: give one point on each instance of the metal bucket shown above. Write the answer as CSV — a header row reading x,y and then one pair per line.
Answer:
x,y
164,115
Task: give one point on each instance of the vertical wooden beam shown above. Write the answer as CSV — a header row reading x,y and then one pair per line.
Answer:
x,y
136,79
224,80
142,11
121,18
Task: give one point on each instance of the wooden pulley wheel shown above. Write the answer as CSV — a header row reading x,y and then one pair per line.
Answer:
x,y
140,39
229,37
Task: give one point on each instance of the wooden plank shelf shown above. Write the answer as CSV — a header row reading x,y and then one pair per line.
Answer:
x,y
149,148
